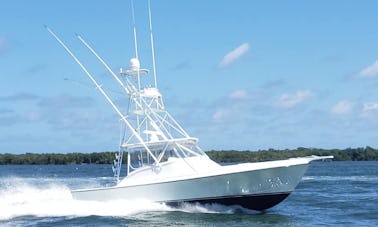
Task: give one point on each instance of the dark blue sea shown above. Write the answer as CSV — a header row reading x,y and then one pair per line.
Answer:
x,y
330,194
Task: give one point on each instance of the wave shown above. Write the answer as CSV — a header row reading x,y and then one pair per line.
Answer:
x,y
20,198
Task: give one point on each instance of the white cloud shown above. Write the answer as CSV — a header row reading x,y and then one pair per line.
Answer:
x,y
231,106
220,115
234,55
239,94
371,106
370,71
343,107
290,100
369,109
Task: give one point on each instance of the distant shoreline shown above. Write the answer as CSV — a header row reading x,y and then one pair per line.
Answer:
x,y
349,154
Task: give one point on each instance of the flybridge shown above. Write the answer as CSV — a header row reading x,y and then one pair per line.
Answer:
x,y
150,132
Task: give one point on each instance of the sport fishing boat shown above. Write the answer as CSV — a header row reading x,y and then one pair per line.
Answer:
x,y
166,165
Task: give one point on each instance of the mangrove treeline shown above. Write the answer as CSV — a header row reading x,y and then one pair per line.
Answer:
x,y
349,154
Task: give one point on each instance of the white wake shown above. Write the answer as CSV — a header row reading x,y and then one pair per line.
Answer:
x,y
54,199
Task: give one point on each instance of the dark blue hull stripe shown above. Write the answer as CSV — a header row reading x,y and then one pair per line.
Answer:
x,y
253,202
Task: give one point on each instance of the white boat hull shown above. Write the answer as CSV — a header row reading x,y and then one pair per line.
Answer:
x,y
250,185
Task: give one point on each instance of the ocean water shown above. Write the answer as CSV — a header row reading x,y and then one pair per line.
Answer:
x,y
330,194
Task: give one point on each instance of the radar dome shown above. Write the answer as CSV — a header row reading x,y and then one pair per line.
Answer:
x,y
134,64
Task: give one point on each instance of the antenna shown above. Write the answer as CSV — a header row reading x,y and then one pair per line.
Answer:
x,y
134,29
135,41
152,42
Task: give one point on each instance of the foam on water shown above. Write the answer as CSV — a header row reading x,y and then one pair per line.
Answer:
x,y
20,198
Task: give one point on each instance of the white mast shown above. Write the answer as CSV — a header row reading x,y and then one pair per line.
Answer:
x,y
152,43
135,40
134,30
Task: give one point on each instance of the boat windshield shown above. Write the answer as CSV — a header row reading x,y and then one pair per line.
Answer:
x,y
141,158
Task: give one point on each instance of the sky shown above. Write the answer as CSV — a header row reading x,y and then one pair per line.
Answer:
x,y
244,75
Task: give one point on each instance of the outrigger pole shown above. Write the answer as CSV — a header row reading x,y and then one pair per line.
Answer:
x,y
136,134
104,63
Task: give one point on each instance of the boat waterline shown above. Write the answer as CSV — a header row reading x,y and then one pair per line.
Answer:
x,y
253,202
